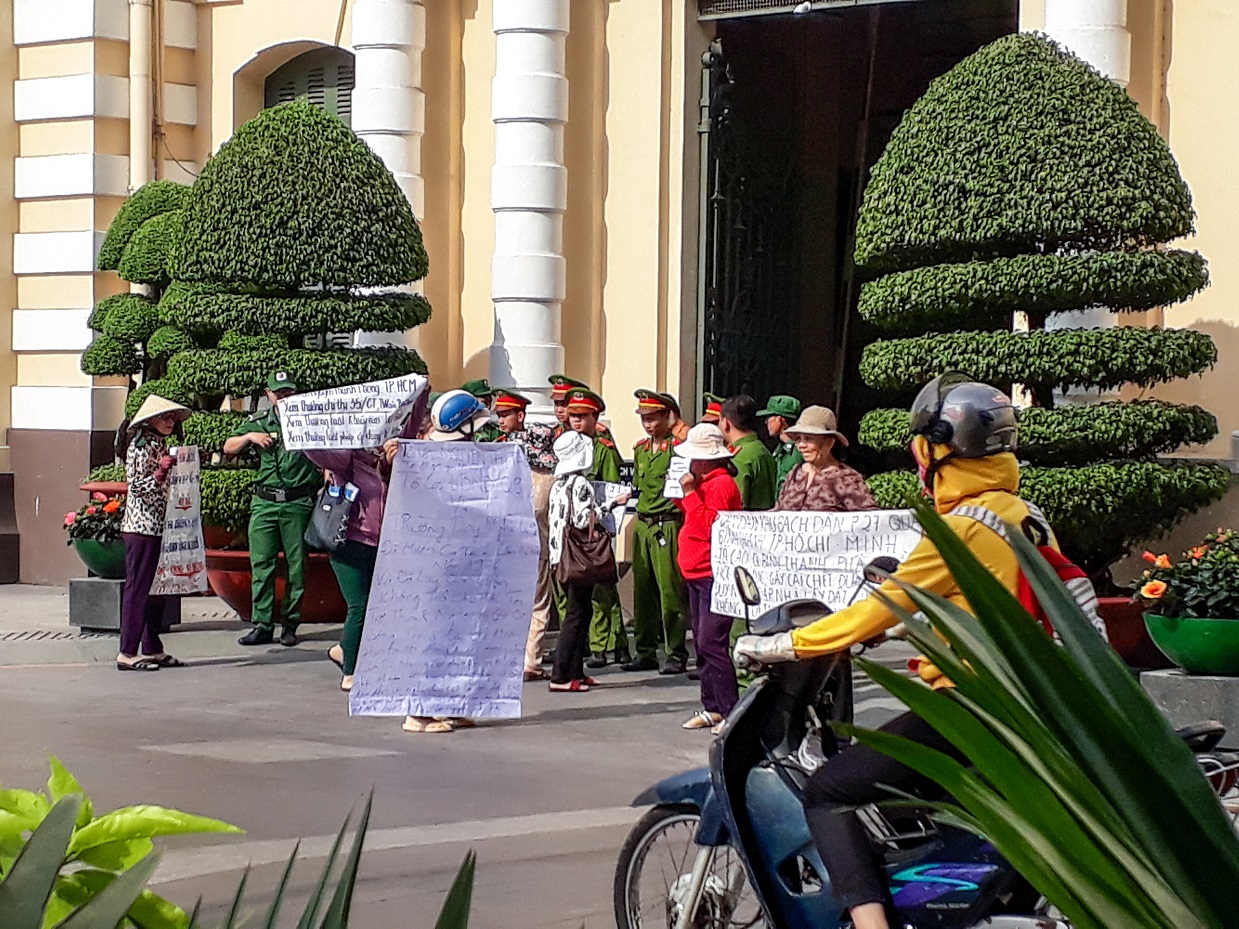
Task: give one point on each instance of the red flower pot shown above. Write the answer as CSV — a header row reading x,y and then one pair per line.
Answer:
x,y
1128,636
231,579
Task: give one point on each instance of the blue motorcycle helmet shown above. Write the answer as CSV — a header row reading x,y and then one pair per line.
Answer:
x,y
458,411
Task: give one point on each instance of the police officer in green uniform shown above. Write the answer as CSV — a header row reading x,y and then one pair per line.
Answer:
x,y
757,474
658,588
481,389
782,411
606,630
561,385
280,510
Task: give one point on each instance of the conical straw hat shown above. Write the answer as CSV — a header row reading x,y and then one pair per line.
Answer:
x,y
155,405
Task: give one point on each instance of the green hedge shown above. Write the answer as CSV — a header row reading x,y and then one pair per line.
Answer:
x,y
239,342
295,199
164,387
1070,435
981,294
226,494
1020,148
1105,358
1100,511
166,341
245,373
149,200
110,357
145,259
196,307
130,317
106,472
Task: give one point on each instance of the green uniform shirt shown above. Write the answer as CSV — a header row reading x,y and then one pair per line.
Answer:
x,y
490,432
786,457
277,466
607,461
650,462
757,473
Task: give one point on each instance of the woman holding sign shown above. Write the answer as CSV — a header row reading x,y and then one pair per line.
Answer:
x,y
148,462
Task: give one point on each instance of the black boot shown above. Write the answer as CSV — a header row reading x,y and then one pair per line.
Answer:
x,y
259,635
622,655
673,666
596,660
288,636
641,664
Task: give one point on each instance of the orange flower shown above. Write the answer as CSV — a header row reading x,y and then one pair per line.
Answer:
x,y
1149,556
1162,561
111,506
1153,590
1199,551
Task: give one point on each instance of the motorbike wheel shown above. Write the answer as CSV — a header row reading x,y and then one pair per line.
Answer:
x,y
654,870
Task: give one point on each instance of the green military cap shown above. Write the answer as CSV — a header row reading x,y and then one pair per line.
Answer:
x,y
781,405
280,380
651,401
561,384
479,388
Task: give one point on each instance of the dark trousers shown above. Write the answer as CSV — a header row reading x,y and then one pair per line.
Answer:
x,y
712,638
353,563
856,776
141,615
573,643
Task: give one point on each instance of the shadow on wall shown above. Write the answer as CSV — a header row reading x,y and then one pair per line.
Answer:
x,y
1214,390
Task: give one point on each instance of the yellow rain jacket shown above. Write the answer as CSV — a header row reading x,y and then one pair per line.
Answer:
x,y
990,482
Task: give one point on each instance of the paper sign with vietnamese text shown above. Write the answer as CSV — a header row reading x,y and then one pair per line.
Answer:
x,y
357,416
182,557
804,555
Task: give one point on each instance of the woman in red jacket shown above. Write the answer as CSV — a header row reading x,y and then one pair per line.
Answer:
x,y
709,489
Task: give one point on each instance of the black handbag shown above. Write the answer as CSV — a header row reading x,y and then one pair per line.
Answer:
x,y
587,558
329,521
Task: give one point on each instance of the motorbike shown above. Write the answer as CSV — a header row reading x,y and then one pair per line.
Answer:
x,y
727,846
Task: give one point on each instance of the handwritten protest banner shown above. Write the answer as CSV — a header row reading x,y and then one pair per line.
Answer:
x,y
357,416
810,555
453,585
672,488
605,493
182,559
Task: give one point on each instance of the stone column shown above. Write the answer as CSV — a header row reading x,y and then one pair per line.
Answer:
x,y
389,106
141,155
529,193
1096,30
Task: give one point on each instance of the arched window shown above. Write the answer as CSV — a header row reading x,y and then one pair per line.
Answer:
x,y
323,76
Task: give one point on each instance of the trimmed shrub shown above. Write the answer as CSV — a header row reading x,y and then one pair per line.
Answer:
x,y
150,200
295,199
984,294
145,259
107,472
166,341
240,342
226,496
195,307
130,318
1076,434
1105,358
110,357
1021,148
209,431
245,373
165,387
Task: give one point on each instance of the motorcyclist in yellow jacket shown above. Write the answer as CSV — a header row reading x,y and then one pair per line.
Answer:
x,y
964,438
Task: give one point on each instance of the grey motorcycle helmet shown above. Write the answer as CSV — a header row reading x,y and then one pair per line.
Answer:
x,y
973,419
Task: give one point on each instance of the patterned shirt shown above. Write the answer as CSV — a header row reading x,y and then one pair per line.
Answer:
x,y
147,499
537,439
570,494
837,488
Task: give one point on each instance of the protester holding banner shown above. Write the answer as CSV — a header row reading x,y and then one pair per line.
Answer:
x,y
709,489
822,481
284,489
147,466
756,472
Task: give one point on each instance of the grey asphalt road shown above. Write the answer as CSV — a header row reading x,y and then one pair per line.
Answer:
x,y
264,741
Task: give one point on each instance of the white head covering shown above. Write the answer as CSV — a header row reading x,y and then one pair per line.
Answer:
x,y
575,453
154,406
705,442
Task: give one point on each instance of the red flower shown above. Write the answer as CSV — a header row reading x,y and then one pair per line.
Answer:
x,y
70,519
98,497
1149,556
90,511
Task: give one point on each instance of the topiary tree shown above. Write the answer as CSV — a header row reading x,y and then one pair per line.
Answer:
x,y
1025,181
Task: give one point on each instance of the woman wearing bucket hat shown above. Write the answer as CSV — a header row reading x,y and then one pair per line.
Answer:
x,y
822,481
709,489
147,466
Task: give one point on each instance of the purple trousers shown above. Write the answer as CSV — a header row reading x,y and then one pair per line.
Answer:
x,y
141,615
712,639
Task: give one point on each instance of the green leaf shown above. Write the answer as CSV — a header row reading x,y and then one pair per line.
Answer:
x,y
142,822
277,901
61,784
119,855
459,900
310,914
337,913
110,905
28,885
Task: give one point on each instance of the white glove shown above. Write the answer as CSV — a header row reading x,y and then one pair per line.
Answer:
x,y
753,651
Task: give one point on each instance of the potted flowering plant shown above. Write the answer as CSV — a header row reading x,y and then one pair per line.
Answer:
x,y
1192,605
94,533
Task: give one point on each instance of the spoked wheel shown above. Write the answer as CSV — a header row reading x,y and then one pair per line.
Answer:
x,y
654,874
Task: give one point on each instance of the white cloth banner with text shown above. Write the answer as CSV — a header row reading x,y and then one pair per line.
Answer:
x,y
804,555
357,416
182,556
453,585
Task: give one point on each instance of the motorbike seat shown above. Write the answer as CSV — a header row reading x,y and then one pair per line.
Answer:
x,y
788,616
1202,736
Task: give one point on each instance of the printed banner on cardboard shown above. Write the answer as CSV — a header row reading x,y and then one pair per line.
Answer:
x,y
182,558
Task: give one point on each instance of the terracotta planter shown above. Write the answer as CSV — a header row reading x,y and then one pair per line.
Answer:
x,y
1128,636
111,488
219,537
1198,646
231,579
103,559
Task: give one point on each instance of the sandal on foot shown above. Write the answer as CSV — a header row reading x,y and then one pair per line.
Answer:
x,y
139,664
460,722
568,687
702,719
425,724
166,661
346,683
591,681
538,675
335,655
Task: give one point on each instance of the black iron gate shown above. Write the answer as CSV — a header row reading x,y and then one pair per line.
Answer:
x,y
748,243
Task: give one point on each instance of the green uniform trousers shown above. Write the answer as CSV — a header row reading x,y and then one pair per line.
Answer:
x,y
606,628
353,563
658,590
276,527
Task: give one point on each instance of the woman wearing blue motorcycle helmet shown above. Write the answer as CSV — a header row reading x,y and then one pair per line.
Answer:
x,y
964,437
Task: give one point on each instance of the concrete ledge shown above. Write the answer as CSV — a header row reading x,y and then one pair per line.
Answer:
x,y
1190,698
94,605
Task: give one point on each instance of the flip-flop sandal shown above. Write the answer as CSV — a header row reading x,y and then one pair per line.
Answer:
x,y
461,722
538,675
421,724
167,661
572,687
591,682
338,662
702,719
142,664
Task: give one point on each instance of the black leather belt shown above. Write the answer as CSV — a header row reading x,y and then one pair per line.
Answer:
x,y
282,494
652,519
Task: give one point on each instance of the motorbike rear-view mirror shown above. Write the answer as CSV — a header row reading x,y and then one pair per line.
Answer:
x,y
747,587
880,568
